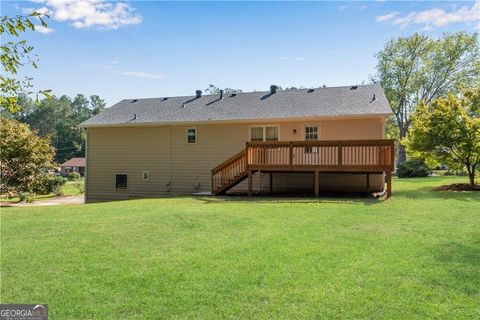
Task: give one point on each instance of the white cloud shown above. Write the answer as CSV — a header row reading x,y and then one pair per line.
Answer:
x,y
111,66
138,74
434,17
292,59
387,16
42,29
90,13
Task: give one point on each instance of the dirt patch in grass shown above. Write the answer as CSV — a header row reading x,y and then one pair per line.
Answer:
x,y
458,187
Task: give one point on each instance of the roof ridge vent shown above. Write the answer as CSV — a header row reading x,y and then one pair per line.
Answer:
x,y
165,99
233,95
310,90
354,87
133,101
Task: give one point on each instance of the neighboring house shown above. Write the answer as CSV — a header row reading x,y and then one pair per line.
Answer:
x,y
306,140
73,165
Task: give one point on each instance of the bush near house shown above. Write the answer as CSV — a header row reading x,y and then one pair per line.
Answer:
x,y
73,176
413,168
24,158
50,184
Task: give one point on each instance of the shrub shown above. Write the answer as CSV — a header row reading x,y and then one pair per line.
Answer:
x,y
24,156
80,186
72,176
413,168
50,184
25,196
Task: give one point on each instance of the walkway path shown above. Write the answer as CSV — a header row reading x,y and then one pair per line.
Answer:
x,y
47,202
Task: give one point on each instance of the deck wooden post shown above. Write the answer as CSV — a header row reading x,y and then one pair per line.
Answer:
x,y
368,182
340,155
250,183
389,184
271,182
212,185
290,154
317,183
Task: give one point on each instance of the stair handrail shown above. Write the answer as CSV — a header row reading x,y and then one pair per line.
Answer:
x,y
228,161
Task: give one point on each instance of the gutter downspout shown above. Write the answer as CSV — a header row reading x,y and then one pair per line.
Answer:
x,y
86,167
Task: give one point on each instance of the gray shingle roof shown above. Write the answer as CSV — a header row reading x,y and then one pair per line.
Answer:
x,y
322,102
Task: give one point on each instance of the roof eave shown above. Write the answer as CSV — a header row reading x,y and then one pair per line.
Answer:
x,y
252,120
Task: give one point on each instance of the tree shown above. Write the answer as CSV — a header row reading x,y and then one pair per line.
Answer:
x,y
214,90
24,156
417,68
14,55
59,117
448,129
97,104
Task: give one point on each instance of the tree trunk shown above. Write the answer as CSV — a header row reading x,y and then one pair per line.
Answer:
x,y
471,174
402,152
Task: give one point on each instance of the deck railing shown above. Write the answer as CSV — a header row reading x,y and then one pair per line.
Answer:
x,y
344,155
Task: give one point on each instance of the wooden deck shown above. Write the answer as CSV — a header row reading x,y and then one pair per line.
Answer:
x,y
342,156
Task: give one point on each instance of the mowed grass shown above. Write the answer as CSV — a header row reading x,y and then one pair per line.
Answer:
x,y
414,256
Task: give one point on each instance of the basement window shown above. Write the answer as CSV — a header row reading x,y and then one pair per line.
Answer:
x,y
192,135
120,181
146,175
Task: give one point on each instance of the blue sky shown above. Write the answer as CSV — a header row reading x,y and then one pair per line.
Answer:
x,y
152,49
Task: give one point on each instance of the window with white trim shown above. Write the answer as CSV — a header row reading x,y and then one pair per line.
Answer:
x,y
311,134
192,135
256,134
264,133
271,133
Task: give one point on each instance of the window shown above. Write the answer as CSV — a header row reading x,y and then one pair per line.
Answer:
x,y
120,181
191,135
256,134
146,176
264,133
271,133
311,134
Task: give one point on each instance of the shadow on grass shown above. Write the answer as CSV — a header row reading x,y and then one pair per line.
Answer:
x,y
428,192
282,199
462,262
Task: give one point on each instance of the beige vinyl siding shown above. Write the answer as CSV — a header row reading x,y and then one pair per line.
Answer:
x,y
176,167
127,151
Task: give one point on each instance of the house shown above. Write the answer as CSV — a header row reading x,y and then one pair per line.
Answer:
x,y
73,165
305,140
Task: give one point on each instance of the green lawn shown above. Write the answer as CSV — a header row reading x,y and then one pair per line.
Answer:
x,y
414,256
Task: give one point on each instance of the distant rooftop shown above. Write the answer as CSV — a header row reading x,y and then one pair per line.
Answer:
x,y
74,162
358,100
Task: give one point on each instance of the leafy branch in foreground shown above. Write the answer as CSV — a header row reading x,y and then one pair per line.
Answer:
x,y
13,56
